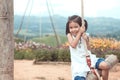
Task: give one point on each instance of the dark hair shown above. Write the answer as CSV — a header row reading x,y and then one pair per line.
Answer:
x,y
76,19
86,25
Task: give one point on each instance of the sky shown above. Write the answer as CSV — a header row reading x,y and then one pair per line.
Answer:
x,y
92,8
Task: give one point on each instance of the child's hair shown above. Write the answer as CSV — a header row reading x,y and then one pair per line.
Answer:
x,y
76,19
86,25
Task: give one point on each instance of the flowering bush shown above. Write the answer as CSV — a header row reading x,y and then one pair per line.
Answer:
x,y
104,43
103,46
99,46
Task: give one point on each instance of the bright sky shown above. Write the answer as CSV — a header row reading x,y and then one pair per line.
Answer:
x,y
92,8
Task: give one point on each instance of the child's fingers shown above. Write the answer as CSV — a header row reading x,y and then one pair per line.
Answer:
x,y
82,28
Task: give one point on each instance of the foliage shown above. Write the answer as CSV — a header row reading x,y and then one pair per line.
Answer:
x,y
104,46
50,40
42,55
17,40
52,55
24,54
64,55
99,46
18,54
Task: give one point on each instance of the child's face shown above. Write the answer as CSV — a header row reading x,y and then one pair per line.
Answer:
x,y
74,28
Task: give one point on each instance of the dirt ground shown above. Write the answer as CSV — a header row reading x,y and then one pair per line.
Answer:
x,y
26,70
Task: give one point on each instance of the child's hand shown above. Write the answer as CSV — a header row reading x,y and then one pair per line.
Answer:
x,y
84,36
82,29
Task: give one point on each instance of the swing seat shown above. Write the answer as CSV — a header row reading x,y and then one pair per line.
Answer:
x,y
111,60
91,76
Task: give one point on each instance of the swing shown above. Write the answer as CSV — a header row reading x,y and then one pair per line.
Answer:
x,y
111,60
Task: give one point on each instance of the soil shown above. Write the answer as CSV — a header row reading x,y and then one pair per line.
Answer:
x,y
26,70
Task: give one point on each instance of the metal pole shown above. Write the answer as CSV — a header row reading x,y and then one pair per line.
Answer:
x,y
82,12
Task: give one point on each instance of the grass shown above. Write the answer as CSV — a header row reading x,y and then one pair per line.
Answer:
x,y
51,40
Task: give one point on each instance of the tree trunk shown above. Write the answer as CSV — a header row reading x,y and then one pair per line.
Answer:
x,y
6,40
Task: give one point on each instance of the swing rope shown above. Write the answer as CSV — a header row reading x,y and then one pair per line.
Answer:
x,y
52,23
88,60
22,20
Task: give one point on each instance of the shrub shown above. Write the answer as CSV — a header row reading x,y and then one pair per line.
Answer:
x,y
99,46
19,54
64,55
42,55
24,54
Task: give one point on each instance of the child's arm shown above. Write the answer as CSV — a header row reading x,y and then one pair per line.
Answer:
x,y
73,42
86,38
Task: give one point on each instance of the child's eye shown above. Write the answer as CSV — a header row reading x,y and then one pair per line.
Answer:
x,y
70,27
76,26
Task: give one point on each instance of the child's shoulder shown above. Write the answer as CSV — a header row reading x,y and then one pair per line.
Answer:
x,y
68,34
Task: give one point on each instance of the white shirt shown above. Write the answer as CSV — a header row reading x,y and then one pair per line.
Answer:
x,y
78,60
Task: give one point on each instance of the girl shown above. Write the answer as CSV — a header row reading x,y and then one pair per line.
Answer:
x,y
76,36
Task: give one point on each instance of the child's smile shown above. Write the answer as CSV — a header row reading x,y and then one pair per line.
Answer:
x,y
74,28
